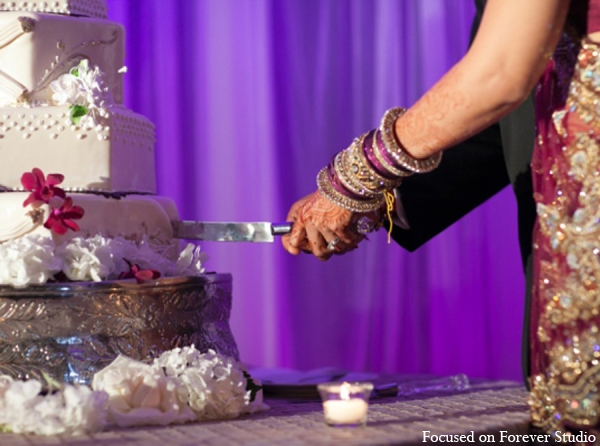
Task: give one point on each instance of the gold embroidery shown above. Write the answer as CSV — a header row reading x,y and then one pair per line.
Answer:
x,y
568,253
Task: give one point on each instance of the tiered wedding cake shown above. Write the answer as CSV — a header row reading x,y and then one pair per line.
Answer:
x,y
63,127
78,208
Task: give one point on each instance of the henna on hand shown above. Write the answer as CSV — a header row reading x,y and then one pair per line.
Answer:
x,y
317,221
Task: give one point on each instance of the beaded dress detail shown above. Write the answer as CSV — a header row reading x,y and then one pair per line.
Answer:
x,y
565,335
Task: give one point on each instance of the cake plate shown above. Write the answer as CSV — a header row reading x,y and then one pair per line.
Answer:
x,y
69,331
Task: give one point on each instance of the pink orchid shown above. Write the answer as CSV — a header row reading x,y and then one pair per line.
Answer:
x,y
140,275
60,219
42,188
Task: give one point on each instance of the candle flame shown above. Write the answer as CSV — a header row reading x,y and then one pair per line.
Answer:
x,y
345,391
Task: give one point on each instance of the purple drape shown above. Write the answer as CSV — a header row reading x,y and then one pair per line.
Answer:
x,y
250,98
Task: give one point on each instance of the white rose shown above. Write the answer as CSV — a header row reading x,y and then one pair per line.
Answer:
x,y
68,90
140,394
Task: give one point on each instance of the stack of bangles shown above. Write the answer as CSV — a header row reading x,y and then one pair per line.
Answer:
x,y
358,178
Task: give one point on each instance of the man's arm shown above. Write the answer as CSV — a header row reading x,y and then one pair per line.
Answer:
x,y
469,174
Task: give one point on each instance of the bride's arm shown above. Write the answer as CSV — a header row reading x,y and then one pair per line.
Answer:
x,y
512,47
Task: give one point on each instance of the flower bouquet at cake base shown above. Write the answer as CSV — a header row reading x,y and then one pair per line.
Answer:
x,y
180,386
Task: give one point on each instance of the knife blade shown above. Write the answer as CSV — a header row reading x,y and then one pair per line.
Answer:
x,y
229,231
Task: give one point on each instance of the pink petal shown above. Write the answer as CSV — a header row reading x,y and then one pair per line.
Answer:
x,y
70,224
40,175
31,198
54,178
59,192
146,274
60,228
67,204
78,212
29,181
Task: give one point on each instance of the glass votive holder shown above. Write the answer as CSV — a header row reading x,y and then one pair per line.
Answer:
x,y
345,404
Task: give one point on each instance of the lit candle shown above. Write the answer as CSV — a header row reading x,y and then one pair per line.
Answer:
x,y
352,411
345,404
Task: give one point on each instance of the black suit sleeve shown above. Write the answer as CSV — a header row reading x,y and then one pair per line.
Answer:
x,y
469,174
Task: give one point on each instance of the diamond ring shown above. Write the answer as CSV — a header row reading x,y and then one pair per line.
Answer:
x,y
364,225
331,245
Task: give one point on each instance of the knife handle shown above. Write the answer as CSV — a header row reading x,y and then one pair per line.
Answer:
x,y
281,228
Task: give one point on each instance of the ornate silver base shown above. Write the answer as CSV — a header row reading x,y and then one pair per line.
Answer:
x,y
70,331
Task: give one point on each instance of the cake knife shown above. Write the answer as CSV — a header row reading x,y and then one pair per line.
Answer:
x,y
229,231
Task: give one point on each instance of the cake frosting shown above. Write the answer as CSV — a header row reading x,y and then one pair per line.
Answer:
x,y
115,154
90,8
77,179
36,48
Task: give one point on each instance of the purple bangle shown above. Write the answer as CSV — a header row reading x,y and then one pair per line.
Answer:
x,y
368,148
338,186
383,151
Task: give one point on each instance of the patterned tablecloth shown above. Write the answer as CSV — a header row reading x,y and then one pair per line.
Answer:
x,y
489,408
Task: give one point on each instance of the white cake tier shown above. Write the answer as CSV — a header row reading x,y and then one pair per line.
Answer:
x,y
114,156
90,8
35,49
134,217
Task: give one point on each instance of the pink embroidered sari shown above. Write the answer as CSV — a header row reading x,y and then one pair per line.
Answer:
x,y
565,335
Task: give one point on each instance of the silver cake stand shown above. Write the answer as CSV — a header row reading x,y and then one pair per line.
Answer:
x,y
70,331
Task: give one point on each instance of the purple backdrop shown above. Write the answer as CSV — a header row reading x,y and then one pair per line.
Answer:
x,y
250,98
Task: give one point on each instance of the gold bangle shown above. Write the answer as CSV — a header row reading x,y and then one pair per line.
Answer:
x,y
398,152
349,181
341,200
366,175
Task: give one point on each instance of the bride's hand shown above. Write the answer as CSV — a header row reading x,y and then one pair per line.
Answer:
x,y
323,228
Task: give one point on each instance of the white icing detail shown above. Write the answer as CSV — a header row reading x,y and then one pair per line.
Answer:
x,y
101,161
89,8
11,87
10,32
34,62
18,226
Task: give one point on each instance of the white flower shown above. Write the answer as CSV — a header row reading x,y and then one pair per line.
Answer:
x,y
140,394
89,259
28,260
213,385
68,90
175,362
71,410
190,261
34,259
181,385
83,86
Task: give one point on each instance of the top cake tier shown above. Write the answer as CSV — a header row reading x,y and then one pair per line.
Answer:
x,y
88,8
37,48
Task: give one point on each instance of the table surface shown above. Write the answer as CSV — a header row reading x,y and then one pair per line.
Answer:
x,y
487,407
